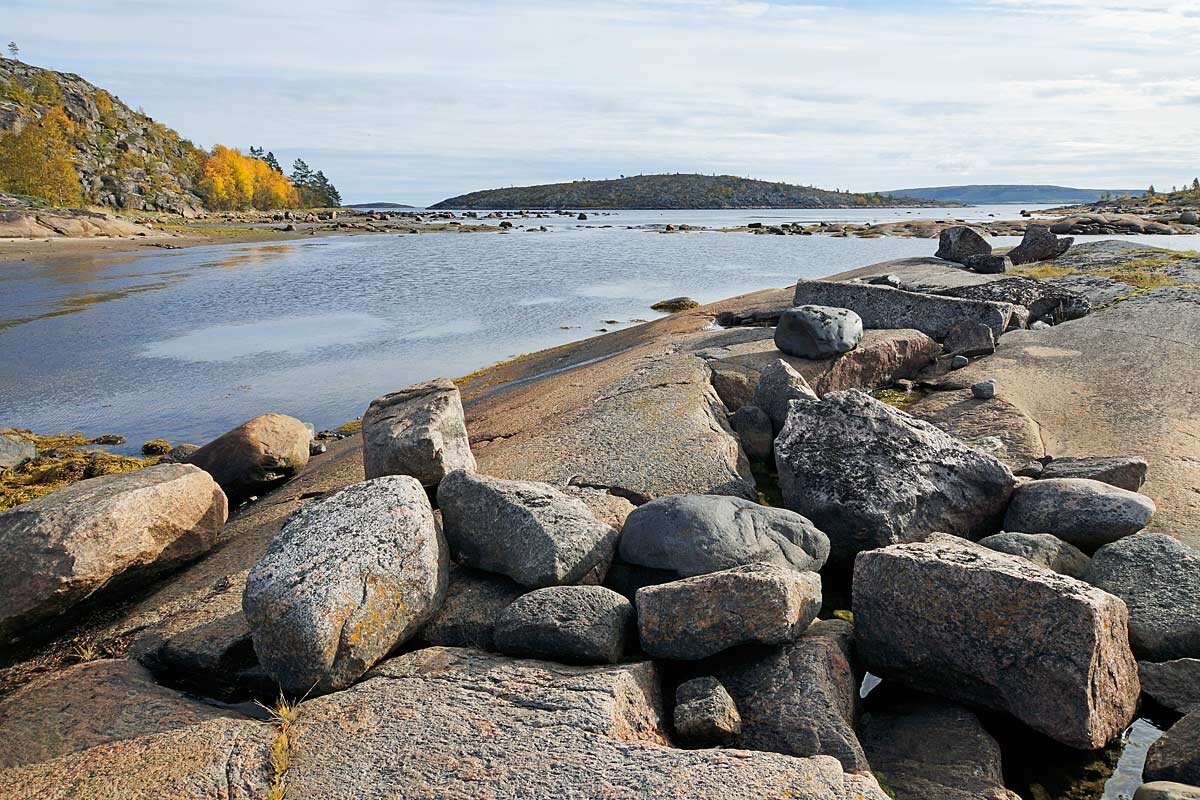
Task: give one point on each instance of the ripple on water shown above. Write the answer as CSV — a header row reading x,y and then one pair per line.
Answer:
x,y
282,335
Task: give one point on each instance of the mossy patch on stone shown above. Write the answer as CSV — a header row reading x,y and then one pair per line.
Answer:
x,y
675,305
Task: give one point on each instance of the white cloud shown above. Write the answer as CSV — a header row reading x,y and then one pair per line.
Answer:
x,y
415,101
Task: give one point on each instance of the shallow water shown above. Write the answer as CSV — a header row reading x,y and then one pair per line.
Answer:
x,y
186,344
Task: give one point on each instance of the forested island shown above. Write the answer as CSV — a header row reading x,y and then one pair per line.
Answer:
x,y
672,191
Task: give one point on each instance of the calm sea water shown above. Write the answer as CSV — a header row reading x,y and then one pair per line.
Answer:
x,y
185,344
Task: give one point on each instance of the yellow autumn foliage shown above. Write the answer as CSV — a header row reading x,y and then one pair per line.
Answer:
x,y
231,181
36,160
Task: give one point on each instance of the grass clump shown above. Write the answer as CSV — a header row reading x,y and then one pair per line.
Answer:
x,y
1146,272
63,459
282,714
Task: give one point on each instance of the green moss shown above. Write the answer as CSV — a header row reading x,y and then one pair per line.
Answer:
x,y
898,398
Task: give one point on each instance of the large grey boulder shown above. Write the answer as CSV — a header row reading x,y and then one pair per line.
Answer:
x,y
928,749
696,533
698,617
418,431
885,307
1175,756
347,579
988,629
870,475
451,723
571,624
959,242
1039,244
1172,684
801,698
467,617
818,331
255,456
1088,514
1158,577
97,538
705,714
1124,472
529,531
778,385
1043,549
15,451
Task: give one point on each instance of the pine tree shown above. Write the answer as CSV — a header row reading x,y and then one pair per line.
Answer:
x,y
256,152
272,163
302,174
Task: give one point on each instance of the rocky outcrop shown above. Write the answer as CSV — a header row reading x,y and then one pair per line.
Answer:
x,y
818,331
698,617
528,531
1043,549
443,723
96,537
72,223
705,714
347,579
979,627
885,307
1086,513
417,431
800,698
1172,684
256,455
696,534
569,624
1158,577
870,475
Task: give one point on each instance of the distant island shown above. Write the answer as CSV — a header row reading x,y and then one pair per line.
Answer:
x,y
976,194
677,191
378,205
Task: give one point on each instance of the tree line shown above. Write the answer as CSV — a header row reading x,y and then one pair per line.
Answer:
x,y
234,181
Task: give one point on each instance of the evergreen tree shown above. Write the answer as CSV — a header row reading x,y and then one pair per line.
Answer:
x,y
256,152
302,174
272,163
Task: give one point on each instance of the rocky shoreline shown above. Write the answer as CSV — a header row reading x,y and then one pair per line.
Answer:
x,y
561,576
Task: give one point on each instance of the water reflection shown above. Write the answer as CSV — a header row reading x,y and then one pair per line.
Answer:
x,y
284,335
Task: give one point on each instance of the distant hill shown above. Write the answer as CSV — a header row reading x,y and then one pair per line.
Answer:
x,y
669,192
378,205
977,194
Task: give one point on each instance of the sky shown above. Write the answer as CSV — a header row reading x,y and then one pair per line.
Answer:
x,y
417,101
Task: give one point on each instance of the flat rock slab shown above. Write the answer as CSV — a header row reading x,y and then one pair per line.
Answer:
x,y
103,535
698,617
885,307
697,534
984,628
457,723
1158,577
870,475
1125,472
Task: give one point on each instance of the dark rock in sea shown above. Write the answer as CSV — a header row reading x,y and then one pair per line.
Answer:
x,y
688,535
799,699
870,475
698,617
1172,684
1039,244
1158,577
675,304
570,624
1086,513
467,617
256,455
778,385
1125,472
417,431
347,579
818,331
940,616
1042,549
531,532
705,714
959,242
1176,754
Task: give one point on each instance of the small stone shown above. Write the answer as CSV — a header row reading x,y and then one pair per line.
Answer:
x,y
778,385
255,456
818,331
531,532
417,431
705,714
15,451
570,624
1172,684
179,454
697,617
984,390
1039,325
1086,513
1042,549
958,362
754,431
1124,472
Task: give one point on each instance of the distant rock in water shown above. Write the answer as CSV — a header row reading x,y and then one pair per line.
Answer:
x,y
675,304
